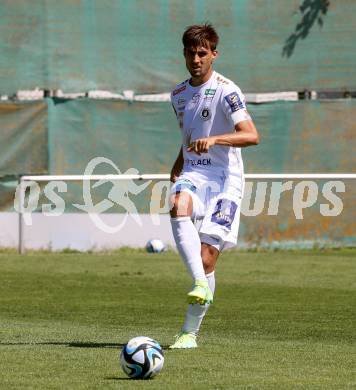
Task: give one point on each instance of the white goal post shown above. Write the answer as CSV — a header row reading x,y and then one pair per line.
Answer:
x,y
47,178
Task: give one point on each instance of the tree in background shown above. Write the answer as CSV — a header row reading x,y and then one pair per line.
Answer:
x,y
312,11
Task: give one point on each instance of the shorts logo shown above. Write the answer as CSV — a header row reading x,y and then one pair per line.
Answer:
x,y
179,90
205,114
234,101
181,101
182,184
224,213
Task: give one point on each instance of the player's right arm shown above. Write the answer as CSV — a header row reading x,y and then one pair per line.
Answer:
x,y
177,166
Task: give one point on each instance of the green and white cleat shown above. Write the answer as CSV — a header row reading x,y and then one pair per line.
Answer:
x,y
184,341
200,294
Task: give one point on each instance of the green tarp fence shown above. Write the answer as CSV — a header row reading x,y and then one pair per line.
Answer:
x,y
119,45
59,136
122,44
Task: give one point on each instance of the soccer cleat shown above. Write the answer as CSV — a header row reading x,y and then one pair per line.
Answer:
x,y
200,294
184,341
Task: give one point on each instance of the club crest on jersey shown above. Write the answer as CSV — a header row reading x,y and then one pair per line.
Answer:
x,y
205,114
234,101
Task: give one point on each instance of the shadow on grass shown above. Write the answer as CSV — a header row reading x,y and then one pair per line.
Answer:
x,y
117,378
73,344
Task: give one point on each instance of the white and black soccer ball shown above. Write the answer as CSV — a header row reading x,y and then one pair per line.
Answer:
x,y
142,358
155,246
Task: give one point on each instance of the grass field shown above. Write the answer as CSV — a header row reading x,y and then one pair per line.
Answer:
x,y
284,320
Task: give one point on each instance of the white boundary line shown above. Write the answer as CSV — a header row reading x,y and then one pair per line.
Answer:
x,y
163,176
130,96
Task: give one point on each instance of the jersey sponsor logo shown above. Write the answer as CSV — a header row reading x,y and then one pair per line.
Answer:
x,y
179,90
205,114
210,92
224,213
208,99
202,161
234,101
196,98
193,102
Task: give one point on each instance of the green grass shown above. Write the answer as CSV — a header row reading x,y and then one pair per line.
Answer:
x,y
284,320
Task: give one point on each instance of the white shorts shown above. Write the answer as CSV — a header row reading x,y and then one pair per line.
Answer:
x,y
216,206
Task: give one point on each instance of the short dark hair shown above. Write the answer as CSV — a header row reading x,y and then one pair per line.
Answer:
x,y
200,35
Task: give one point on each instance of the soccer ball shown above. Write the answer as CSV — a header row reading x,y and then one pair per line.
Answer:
x,y
155,246
142,358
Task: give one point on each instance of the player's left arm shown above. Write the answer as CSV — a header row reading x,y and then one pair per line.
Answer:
x,y
245,134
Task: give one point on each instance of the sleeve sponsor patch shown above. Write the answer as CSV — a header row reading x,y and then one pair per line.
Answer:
x,y
234,101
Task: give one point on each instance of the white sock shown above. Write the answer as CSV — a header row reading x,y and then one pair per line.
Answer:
x,y
188,244
196,313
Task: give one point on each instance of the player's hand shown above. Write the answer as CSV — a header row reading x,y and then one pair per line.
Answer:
x,y
175,173
201,145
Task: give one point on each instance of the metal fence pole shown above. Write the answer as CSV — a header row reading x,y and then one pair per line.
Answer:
x,y
21,207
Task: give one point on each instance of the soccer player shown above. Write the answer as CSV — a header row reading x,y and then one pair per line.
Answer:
x,y
208,173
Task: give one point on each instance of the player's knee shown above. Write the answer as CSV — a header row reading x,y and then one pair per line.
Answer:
x,y
209,265
181,205
209,257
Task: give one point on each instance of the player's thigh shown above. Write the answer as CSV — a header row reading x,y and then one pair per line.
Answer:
x,y
221,222
184,199
181,204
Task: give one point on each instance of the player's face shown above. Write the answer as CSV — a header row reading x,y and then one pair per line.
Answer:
x,y
199,62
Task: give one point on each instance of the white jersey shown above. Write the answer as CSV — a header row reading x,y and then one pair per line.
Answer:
x,y
209,109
